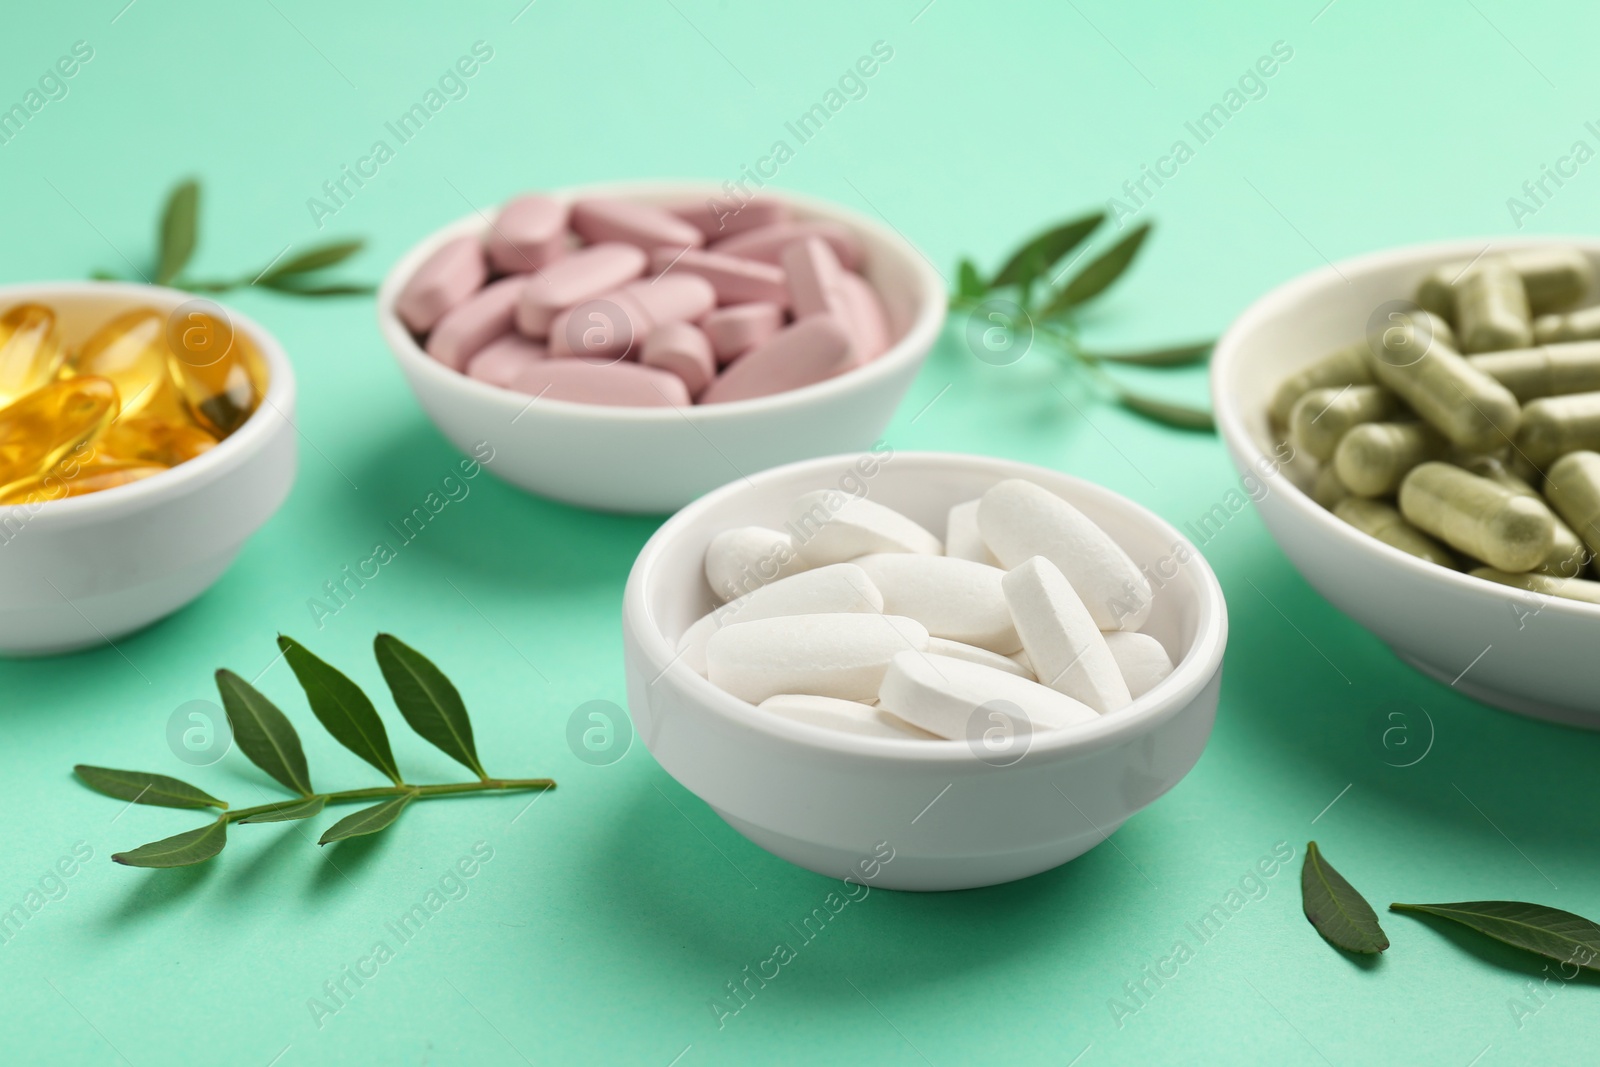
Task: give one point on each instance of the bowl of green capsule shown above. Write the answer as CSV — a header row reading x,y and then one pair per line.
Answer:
x,y
145,435
1425,424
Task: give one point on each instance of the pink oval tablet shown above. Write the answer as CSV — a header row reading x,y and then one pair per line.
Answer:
x,y
578,276
454,272
816,280
645,225
622,385
601,330
467,327
672,298
529,233
735,330
768,242
500,361
869,323
681,348
718,218
811,350
736,280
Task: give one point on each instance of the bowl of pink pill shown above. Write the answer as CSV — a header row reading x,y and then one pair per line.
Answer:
x,y
956,670
629,347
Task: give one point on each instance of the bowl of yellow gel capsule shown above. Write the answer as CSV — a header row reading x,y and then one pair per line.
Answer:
x,y
1425,423
144,435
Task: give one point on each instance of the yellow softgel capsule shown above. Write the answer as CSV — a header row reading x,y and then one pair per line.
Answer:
x,y
1545,584
1379,520
90,478
1474,515
152,440
1549,370
130,350
30,351
216,368
37,431
1469,407
1320,418
1557,425
1373,458
1568,556
1573,489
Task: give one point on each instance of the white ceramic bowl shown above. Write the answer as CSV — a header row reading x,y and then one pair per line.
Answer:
x,y
657,459
1503,646
824,799
82,571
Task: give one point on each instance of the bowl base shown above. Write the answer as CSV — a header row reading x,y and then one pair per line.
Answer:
x,y
921,874
1517,705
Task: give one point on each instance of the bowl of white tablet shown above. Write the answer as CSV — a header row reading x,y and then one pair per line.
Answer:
x,y
860,788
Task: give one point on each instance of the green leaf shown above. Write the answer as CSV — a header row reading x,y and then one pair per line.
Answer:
x,y
428,701
1179,416
262,732
1549,932
180,229
100,275
1172,356
142,787
1039,253
1092,280
180,850
968,282
316,259
367,820
342,708
290,287
1341,915
305,809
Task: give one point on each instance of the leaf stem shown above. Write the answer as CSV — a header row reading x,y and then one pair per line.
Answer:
x,y
350,796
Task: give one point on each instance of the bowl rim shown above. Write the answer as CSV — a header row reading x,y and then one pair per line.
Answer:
x,y
1246,453
927,320
1190,676
228,453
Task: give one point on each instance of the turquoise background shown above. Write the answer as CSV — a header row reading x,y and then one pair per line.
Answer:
x,y
617,907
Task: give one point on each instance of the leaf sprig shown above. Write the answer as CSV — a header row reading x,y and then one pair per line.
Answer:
x,y
178,234
1345,920
1051,311
426,698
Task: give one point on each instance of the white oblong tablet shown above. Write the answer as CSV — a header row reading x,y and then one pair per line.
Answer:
x,y
846,716
1141,658
1068,652
1020,520
961,537
835,655
830,526
939,646
839,587
955,599
747,557
952,697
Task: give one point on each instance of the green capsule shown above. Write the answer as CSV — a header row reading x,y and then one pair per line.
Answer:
x,y
1474,515
1555,278
1350,365
1549,370
1568,555
1545,584
1374,458
1573,489
1492,308
1462,402
1580,325
1328,490
1556,425
1380,520
1322,416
